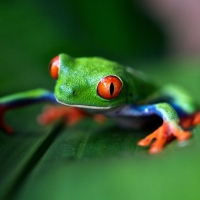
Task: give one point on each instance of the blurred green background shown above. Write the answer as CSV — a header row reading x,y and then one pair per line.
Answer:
x,y
33,32
89,160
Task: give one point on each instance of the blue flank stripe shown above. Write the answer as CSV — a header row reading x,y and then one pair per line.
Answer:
x,y
47,97
181,112
147,110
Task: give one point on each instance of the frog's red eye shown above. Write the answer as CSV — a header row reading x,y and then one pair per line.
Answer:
x,y
54,67
109,87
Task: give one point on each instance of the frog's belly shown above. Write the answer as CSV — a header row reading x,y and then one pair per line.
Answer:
x,y
139,122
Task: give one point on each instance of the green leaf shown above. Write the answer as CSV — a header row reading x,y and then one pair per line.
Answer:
x,y
96,161
89,160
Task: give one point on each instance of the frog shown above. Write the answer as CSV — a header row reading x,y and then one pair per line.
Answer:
x,y
95,86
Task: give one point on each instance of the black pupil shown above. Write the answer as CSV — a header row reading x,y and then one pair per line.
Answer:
x,y
112,89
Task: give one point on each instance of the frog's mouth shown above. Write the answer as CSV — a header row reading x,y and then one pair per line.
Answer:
x,y
85,106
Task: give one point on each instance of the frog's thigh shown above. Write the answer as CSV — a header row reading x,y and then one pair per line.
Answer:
x,y
179,99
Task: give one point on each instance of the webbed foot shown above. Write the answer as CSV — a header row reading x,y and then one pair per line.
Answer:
x,y
71,115
52,113
3,125
166,132
190,121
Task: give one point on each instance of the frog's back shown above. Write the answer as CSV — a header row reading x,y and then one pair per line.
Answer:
x,y
141,88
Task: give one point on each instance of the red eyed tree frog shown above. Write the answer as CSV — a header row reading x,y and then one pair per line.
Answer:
x,y
97,85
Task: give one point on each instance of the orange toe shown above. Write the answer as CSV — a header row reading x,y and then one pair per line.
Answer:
x,y
196,119
190,121
162,135
69,114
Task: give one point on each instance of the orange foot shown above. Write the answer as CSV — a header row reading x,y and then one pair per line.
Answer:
x,y
71,115
162,135
3,125
190,121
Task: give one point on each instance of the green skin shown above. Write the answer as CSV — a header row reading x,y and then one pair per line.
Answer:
x,y
78,79
76,86
80,88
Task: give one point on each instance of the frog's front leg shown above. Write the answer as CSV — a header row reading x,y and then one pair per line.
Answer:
x,y
166,131
22,99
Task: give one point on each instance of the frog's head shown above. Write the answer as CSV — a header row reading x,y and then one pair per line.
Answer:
x,y
93,83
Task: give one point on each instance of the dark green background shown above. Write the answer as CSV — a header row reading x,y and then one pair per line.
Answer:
x,y
89,160
33,32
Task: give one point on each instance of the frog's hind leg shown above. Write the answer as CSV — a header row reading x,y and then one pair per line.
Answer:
x,y
190,121
184,104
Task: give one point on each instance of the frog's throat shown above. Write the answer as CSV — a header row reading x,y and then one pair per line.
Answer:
x,y
85,106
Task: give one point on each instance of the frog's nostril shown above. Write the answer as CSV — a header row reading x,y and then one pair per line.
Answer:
x,y
73,92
